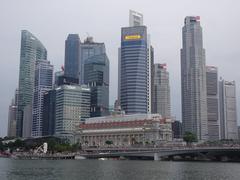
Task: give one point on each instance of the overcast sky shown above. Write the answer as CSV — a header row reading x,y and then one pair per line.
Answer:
x,y
52,20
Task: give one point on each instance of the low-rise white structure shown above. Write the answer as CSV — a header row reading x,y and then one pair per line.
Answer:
x,y
124,130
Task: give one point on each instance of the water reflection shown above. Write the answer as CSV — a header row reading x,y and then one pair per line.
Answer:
x,y
115,170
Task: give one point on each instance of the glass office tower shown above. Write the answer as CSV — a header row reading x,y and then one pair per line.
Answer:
x,y
12,119
134,70
193,77
88,49
212,103
49,106
161,91
31,50
228,109
96,76
135,63
72,56
43,83
72,107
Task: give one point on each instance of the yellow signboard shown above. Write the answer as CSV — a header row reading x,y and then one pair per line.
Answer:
x,y
133,37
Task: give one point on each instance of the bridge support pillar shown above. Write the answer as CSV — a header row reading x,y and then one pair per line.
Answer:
x,y
156,157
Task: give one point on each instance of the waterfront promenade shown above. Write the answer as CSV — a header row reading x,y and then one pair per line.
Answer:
x,y
183,153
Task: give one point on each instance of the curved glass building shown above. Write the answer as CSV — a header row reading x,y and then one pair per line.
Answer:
x,y
31,50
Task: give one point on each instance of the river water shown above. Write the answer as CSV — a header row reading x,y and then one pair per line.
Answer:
x,y
11,169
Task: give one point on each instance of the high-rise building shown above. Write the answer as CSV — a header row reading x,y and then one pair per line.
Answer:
x,y
161,91
228,109
193,77
43,83
88,49
12,118
72,107
177,129
12,123
49,113
57,76
212,103
72,56
96,76
31,50
135,68
27,121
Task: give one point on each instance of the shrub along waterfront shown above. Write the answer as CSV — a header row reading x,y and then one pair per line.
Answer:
x,y
29,145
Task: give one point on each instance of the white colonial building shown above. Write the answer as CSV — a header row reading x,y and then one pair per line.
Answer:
x,y
124,130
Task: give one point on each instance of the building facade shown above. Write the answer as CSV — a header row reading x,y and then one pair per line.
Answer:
x,y
89,49
96,76
72,56
193,79
49,113
212,103
134,70
72,107
27,121
12,117
124,130
161,91
177,129
134,67
31,50
43,83
228,109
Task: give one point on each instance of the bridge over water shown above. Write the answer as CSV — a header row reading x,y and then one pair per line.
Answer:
x,y
192,153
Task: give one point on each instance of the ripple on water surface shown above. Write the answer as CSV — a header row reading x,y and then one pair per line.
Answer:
x,y
115,170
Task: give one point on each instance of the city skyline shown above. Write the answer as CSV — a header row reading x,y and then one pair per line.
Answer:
x,y
112,47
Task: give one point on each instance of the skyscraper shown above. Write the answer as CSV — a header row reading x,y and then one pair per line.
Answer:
x,y
88,49
161,91
12,112
31,50
135,68
177,129
228,109
193,77
96,76
72,107
12,119
212,102
49,113
27,121
72,56
43,83
57,77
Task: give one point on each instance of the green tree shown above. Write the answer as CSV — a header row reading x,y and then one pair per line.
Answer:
x,y
108,142
75,147
1,146
189,138
19,143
